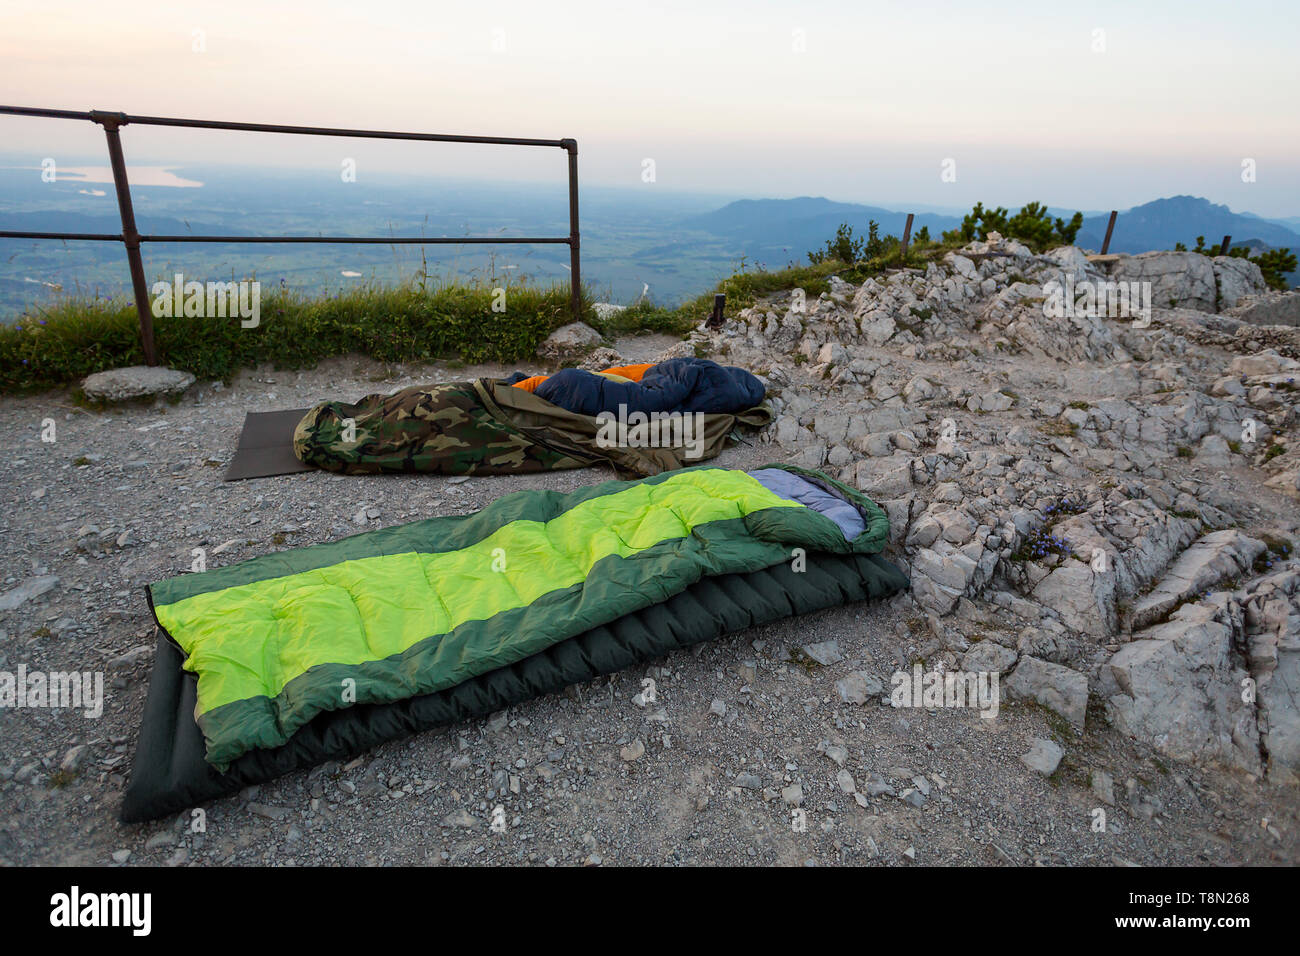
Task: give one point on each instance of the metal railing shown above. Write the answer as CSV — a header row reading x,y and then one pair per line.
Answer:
x,y
131,237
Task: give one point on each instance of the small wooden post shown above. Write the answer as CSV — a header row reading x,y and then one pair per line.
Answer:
x,y
1223,249
1110,227
907,235
719,307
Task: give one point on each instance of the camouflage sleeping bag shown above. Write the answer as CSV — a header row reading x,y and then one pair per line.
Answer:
x,y
488,427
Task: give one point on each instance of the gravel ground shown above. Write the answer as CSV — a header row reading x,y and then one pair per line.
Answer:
x,y
704,775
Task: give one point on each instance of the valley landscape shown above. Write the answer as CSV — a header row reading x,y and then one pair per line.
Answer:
x,y
664,245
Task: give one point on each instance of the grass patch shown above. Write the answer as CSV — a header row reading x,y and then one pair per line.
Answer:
x,y
647,317
415,322
1059,429
805,663
60,778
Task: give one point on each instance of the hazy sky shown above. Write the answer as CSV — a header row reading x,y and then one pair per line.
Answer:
x,y
1094,106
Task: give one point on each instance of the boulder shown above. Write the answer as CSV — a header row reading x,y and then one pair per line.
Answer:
x,y
569,342
939,580
1044,756
918,389
878,327
16,597
1273,310
1084,598
1053,685
134,383
1212,559
601,358
1072,260
1237,278
885,477
1183,280
990,402
1267,362
1181,692
859,687
825,653
989,657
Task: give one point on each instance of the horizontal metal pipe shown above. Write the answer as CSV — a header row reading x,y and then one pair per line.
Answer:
x,y
128,119
97,236
53,114
368,240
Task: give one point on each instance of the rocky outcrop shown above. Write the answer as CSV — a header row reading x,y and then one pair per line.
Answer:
x,y
1180,689
1065,490
1178,279
1271,309
1236,279
1190,280
1210,561
1271,610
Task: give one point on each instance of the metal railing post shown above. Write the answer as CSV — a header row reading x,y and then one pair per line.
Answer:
x,y
575,255
112,122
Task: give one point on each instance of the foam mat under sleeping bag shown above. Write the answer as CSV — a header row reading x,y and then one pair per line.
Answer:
x,y
319,653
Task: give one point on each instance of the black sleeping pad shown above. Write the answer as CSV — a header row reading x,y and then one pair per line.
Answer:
x,y
170,773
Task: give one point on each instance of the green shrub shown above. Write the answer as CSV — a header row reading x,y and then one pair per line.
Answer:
x,y
843,248
850,250
1032,225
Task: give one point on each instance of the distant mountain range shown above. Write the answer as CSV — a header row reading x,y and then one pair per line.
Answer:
x,y
775,231
1164,222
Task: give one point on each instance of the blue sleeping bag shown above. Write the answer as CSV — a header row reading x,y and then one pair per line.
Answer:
x,y
683,385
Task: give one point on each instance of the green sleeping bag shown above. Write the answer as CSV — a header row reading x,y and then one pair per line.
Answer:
x,y
418,608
